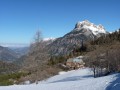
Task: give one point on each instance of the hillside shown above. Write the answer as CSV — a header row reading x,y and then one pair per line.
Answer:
x,y
81,79
7,67
20,51
7,54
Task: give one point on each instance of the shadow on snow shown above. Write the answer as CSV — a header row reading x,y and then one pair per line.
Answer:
x,y
74,78
115,85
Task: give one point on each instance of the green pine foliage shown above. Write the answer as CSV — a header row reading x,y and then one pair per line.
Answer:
x,y
10,79
56,60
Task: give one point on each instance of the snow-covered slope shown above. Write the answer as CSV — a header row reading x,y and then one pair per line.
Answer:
x,y
95,29
81,79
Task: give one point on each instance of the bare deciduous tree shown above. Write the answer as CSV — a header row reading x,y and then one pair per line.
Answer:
x,y
38,37
36,41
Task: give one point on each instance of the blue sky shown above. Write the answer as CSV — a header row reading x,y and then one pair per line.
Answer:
x,y
20,19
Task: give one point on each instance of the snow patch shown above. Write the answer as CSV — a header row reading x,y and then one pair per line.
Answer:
x,y
47,39
62,72
96,29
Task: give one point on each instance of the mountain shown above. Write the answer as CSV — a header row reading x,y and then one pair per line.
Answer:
x,y
20,51
48,41
40,53
95,29
83,31
7,54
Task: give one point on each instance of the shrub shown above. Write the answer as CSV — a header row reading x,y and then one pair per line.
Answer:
x,y
8,79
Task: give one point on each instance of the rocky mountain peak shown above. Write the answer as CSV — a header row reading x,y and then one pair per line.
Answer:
x,y
100,26
95,29
82,23
83,31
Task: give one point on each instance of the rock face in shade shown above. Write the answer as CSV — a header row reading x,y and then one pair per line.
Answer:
x,y
83,31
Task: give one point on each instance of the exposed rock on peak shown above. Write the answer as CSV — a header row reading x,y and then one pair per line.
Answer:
x,y
84,30
95,29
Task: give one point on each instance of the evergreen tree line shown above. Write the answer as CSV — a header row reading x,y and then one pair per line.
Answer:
x,y
107,39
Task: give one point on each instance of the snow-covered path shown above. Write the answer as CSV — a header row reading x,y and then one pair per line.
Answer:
x,y
73,80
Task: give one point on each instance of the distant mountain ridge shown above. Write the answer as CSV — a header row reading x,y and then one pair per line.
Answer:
x,y
14,44
7,54
84,30
20,51
10,54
